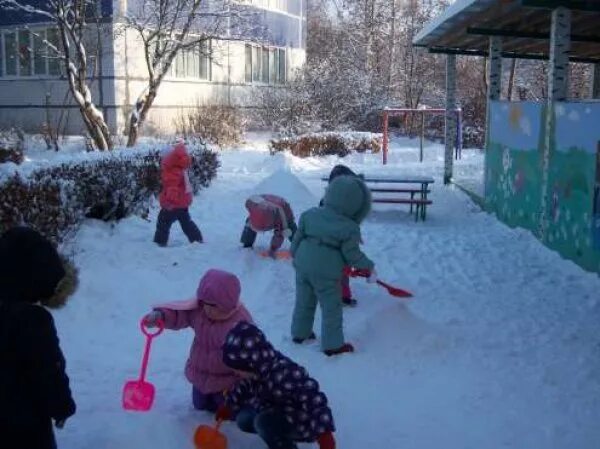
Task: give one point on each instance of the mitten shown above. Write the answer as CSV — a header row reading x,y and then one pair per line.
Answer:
x,y
326,441
223,413
152,319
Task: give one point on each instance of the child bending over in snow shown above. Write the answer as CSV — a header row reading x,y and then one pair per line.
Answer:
x,y
277,399
214,311
175,196
347,298
265,213
328,240
33,384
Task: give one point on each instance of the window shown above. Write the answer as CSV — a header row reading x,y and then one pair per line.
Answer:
x,y
10,52
282,67
53,58
24,53
256,60
265,65
248,63
39,53
204,55
193,62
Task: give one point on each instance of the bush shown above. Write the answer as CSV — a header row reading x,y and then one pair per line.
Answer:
x,y
217,124
55,200
327,143
11,146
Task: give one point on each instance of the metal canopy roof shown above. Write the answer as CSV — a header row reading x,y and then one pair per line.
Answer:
x,y
465,26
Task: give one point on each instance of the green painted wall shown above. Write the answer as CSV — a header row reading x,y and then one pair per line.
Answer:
x,y
513,173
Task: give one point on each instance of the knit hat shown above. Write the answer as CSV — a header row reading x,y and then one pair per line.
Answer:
x,y
246,349
221,289
30,267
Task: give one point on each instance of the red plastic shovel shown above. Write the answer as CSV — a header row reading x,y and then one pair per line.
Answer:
x,y
138,395
208,437
394,291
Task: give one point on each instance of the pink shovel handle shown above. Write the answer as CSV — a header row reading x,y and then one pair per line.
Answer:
x,y
149,337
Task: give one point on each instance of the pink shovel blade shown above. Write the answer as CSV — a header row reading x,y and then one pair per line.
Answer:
x,y
138,395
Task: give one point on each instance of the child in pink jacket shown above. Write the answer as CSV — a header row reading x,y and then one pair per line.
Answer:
x,y
214,311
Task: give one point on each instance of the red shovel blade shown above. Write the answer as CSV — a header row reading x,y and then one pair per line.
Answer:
x,y
138,395
395,291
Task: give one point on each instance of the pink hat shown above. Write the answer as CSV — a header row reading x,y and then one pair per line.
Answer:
x,y
221,289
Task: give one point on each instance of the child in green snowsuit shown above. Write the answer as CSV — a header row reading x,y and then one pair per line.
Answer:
x,y
326,241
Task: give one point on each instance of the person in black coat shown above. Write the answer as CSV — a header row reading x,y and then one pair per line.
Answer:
x,y
34,388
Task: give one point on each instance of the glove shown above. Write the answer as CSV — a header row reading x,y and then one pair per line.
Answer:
x,y
223,413
152,319
287,233
326,441
372,277
60,423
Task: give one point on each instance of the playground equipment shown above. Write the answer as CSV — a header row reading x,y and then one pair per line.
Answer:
x,y
395,112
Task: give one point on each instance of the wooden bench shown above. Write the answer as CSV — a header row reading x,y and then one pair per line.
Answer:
x,y
420,203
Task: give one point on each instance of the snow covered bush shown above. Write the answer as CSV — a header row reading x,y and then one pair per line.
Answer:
x,y
11,146
55,199
217,124
327,143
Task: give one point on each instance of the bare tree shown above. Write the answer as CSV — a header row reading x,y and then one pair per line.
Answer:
x,y
167,27
73,19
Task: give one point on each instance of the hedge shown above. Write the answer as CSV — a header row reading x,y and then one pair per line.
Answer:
x,y
55,199
327,143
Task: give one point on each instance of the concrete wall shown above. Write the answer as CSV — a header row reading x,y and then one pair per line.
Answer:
x,y
514,174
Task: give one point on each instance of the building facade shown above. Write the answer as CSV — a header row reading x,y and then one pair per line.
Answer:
x,y
34,91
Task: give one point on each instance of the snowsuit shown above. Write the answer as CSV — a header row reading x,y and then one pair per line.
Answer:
x,y
327,240
204,368
176,196
268,212
281,402
336,171
34,388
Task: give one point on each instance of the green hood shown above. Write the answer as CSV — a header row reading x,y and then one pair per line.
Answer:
x,y
349,196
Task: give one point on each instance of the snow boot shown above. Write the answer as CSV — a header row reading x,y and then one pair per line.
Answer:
x,y
350,302
299,341
346,347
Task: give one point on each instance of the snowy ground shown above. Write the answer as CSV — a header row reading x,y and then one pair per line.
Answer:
x,y
499,348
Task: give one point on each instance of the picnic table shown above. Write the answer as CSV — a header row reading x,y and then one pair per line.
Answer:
x,y
418,191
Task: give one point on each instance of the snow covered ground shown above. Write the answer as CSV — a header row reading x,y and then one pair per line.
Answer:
x,y
498,349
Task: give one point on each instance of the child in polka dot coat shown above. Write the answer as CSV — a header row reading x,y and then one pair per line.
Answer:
x,y
277,399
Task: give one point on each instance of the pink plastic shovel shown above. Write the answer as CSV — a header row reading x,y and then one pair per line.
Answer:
x,y
138,395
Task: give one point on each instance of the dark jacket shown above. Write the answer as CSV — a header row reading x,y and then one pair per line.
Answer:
x,y
34,388
278,384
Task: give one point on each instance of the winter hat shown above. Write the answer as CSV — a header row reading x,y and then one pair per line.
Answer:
x,y
340,170
246,349
30,267
221,289
349,196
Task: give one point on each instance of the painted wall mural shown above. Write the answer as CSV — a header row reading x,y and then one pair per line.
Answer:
x,y
513,174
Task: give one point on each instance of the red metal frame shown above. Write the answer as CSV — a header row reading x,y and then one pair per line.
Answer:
x,y
394,112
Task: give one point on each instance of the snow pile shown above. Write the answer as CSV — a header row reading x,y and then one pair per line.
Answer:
x,y
286,185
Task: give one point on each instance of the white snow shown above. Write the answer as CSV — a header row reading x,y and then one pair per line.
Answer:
x,y
498,349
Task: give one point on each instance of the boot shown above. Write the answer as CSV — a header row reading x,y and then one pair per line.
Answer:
x,y
299,341
350,302
346,347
